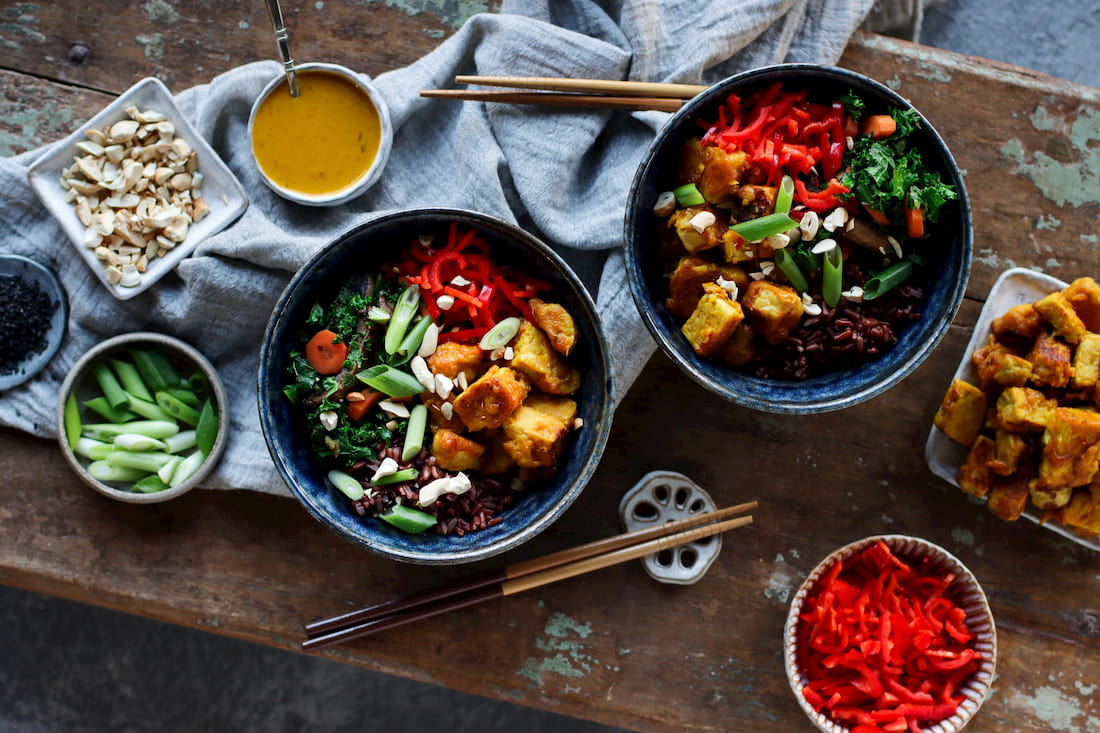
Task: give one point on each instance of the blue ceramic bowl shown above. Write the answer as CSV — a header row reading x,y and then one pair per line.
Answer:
x,y
950,248
361,250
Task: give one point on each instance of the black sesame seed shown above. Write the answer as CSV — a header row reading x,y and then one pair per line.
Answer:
x,y
25,314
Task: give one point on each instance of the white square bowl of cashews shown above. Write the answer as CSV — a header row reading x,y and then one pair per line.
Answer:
x,y
137,188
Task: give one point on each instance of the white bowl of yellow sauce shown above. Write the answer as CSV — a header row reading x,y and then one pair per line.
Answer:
x,y
325,146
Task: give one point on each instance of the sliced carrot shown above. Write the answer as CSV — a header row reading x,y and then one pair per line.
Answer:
x,y
878,126
878,216
324,355
914,223
357,410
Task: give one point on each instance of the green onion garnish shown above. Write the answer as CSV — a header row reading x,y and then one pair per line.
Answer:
x,y
414,432
397,477
784,196
688,195
755,230
832,268
348,485
789,267
888,279
389,381
403,313
500,334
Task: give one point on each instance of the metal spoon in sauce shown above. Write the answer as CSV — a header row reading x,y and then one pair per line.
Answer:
x,y
281,38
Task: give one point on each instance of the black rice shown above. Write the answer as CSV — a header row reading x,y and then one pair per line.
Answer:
x,y
842,337
458,514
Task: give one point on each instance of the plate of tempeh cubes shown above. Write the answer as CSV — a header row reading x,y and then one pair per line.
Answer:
x,y
1019,426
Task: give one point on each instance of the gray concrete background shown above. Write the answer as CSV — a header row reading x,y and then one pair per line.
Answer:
x,y
69,667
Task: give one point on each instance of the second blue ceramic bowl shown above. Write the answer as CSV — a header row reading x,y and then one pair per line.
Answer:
x,y
951,248
361,250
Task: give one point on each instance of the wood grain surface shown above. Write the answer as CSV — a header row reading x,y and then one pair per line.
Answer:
x,y
614,646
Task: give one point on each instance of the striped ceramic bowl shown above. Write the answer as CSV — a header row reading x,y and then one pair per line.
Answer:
x,y
965,592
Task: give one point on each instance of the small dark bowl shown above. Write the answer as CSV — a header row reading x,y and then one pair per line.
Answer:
x,y
951,247
361,250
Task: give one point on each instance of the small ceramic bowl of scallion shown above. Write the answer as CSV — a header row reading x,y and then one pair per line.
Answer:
x,y
142,417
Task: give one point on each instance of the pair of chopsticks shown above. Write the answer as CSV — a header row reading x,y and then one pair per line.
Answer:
x,y
523,576
555,92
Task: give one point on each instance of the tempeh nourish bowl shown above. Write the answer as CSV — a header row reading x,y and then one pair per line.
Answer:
x,y
949,248
963,589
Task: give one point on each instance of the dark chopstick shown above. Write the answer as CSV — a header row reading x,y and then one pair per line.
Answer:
x,y
590,86
518,570
527,582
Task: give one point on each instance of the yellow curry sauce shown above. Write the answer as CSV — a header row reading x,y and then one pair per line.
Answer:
x,y
320,142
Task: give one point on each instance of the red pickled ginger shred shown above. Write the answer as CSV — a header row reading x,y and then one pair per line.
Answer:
x,y
882,644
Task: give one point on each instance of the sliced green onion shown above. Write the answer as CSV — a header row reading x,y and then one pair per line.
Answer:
x,y
414,432
178,409
403,314
112,390
378,315
688,195
831,271
102,407
147,462
348,485
500,334
405,474
786,264
389,381
151,428
186,468
408,520
198,382
104,471
148,410
130,379
888,279
206,431
181,441
184,395
755,230
411,343
151,484
72,421
155,368
92,449
169,469
135,442
784,196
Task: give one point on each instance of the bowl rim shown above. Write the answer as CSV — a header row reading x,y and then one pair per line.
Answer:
x,y
978,687
369,177
839,398
600,349
113,344
13,265
44,171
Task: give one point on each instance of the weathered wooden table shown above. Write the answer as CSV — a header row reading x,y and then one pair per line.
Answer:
x,y
616,646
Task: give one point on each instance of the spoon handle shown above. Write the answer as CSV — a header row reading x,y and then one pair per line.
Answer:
x,y
282,39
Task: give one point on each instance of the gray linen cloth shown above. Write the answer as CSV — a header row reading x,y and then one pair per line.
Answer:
x,y
563,175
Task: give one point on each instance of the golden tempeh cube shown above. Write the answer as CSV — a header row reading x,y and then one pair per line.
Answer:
x,y
1071,447
975,476
1008,498
996,364
713,321
961,412
1051,364
1084,295
1086,361
1012,448
1058,312
1024,410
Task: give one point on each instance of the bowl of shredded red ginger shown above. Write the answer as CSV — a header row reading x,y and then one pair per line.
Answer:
x,y
890,634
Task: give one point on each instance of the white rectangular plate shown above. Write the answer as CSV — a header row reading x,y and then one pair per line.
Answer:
x,y
1013,287
221,189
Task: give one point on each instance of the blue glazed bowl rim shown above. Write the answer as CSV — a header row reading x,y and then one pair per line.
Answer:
x,y
600,351
817,394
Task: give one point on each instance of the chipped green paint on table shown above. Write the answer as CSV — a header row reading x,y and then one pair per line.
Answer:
x,y
615,646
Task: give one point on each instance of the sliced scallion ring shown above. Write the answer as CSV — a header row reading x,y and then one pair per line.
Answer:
x,y
499,335
688,195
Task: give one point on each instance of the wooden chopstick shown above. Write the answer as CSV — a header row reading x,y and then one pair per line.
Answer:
x,y
527,582
592,86
554,99
526,567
